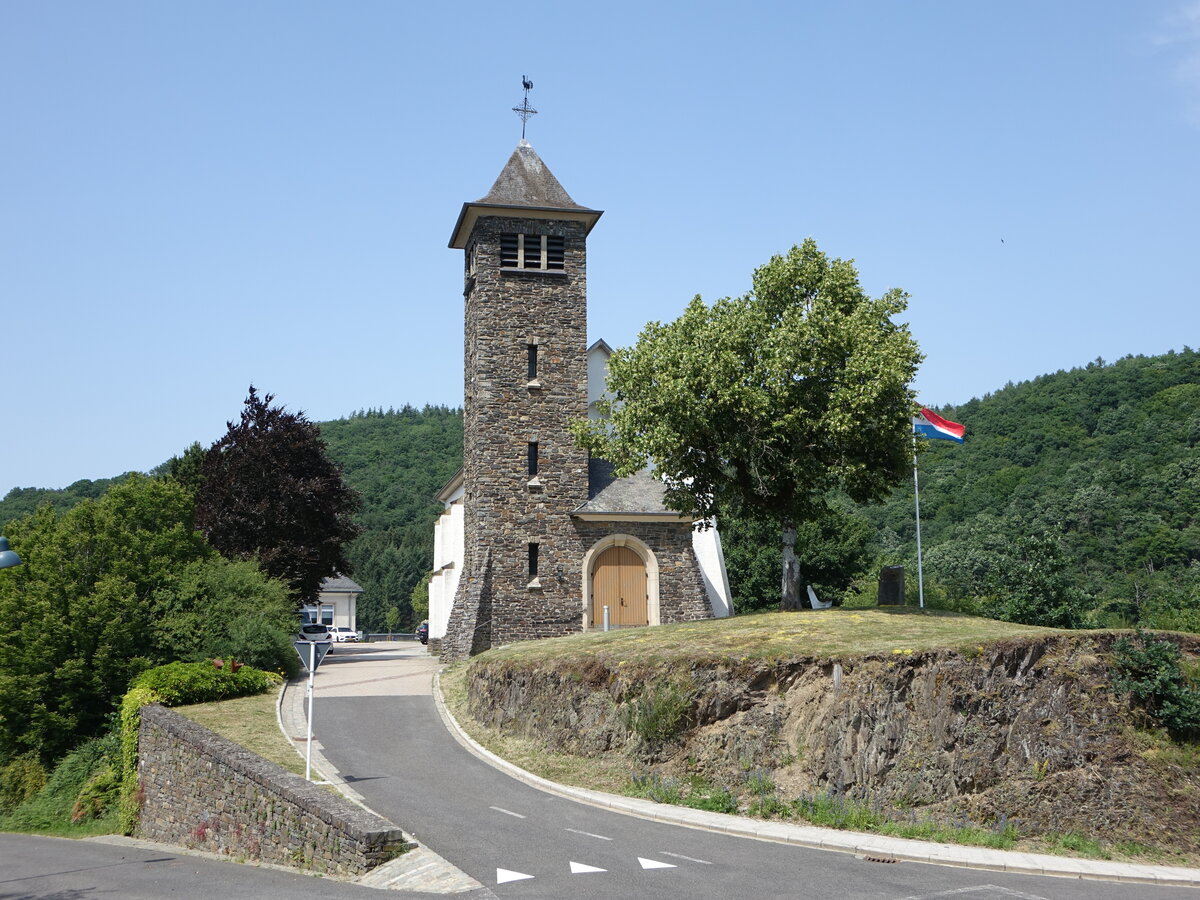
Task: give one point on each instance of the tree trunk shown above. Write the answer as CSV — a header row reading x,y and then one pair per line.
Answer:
x,y
791,570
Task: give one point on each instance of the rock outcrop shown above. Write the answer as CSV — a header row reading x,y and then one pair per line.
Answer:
x,y
1027,730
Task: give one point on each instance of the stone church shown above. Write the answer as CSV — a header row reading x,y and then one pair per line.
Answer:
x,y
536,539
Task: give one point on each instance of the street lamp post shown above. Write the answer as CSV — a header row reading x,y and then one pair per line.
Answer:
x,y
7,557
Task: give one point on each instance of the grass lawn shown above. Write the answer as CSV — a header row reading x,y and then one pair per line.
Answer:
x,y
777,635
251,723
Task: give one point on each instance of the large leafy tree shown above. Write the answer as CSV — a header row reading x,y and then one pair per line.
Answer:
x,y
270,492
767,403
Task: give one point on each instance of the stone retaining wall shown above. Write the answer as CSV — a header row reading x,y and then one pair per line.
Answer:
x,y
200,790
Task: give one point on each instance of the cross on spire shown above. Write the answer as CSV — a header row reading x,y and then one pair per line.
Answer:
x,y
525,110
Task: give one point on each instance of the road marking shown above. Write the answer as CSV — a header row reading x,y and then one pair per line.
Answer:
x,y
589,834
989,888
505,875
703,862
580,868
507,812
655,864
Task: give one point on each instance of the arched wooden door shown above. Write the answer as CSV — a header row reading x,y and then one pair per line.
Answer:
x,y
619,582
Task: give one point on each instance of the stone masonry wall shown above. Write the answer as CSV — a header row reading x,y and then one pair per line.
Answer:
x,y
681,594
201,790
505,313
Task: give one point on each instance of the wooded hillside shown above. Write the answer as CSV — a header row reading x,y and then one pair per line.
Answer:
x,y
1085,482
1099,465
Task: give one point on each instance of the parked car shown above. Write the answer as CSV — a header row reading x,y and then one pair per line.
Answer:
x,y
423,632
315,631
340,633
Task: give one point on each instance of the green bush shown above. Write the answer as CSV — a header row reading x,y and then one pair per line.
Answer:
x,y
180,684
51,808
96,797
659,714
1151,670
20,780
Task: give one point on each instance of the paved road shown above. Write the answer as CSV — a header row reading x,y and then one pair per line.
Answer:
x,y
46,868
377,723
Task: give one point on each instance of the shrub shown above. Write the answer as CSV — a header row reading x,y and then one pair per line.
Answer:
x,y
21,780
52,806
659,714
179,684
96,796
1150,669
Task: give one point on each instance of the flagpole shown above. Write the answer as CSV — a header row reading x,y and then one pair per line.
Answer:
x,y
917,498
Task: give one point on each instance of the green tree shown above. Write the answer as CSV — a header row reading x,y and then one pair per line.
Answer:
x,y
767,403
1032,585
419,600
81,609
108,589
270,492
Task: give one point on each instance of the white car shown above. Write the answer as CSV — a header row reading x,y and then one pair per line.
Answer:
x,y
315,631
341,633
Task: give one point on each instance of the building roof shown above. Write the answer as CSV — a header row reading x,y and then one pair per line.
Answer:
x,y
526,188
340,584
526,181
637,496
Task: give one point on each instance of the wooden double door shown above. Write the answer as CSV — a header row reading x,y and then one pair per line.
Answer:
x,y
619,581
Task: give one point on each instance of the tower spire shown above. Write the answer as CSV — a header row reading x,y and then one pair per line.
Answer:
x,y
525,110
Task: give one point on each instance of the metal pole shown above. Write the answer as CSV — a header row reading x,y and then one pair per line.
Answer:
x,y
606,617
917,497
312,664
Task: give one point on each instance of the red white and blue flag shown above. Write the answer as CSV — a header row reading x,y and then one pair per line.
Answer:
x,y
929,424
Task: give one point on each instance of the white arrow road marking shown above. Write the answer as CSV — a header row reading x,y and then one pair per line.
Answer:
x,y
703,862
589,834
506,875
507,812
580,868
655,864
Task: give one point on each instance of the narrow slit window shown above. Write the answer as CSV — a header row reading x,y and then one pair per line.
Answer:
x,y
533,458
533,559
533,360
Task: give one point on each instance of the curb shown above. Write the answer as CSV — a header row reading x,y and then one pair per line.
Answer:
x,y
876,846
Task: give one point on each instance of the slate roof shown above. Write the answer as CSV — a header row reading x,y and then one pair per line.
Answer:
x,y
524,184
639,494
526,181
340,583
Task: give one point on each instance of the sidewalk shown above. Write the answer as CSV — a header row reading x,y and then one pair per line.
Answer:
x,y
418,675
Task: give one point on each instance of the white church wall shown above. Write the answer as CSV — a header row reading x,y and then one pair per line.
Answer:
x,y
597,369
711,556
449,548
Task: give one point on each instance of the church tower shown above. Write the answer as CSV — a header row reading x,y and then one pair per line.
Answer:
x,y
525,372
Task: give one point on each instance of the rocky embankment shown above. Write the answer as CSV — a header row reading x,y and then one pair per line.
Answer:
x,y
1026,730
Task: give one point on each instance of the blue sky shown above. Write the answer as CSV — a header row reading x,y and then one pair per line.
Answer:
x,y
195,196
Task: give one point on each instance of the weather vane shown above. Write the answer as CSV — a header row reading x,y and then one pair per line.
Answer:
x,y
525,110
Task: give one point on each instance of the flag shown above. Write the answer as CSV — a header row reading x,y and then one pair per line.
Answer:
x,y
929,424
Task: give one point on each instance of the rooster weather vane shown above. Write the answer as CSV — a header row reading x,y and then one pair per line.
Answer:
x,y
525,110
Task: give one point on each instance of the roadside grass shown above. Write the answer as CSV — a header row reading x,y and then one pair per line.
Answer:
x,y
776,635
249,722
606,773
